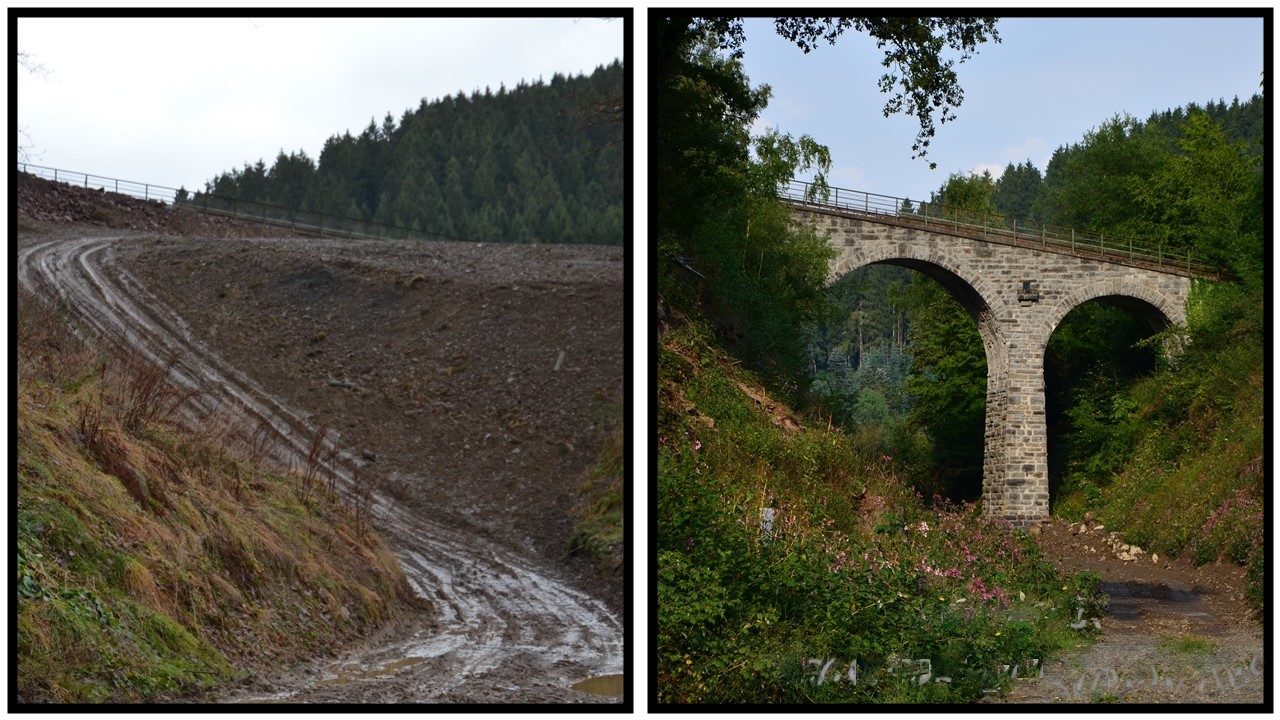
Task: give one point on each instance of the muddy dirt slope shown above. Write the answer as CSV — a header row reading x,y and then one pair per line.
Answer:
x,y
468,384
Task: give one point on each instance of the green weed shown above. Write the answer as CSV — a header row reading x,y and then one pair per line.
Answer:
x,y
1187,645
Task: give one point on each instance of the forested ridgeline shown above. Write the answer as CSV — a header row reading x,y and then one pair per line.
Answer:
x,y
540,162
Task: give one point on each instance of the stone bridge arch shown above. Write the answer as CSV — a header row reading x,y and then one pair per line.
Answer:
x,y
971,291
968,288
1156,309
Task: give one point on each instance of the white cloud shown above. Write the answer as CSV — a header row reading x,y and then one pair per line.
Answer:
x,y
848,176
995,170
1032,149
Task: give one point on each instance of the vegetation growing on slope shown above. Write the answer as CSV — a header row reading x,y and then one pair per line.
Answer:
x,y
540,162
152,560
1176,461
599,512
783,546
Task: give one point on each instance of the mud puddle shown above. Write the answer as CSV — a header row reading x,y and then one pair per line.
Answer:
x,y
1131,600
1172,633
610,685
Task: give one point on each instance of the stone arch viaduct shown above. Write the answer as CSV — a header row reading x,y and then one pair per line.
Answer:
x,y
1018,285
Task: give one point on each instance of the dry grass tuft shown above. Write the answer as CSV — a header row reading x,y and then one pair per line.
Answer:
x,y
139,583
180,555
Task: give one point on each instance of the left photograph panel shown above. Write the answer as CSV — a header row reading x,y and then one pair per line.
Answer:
x,y
322,359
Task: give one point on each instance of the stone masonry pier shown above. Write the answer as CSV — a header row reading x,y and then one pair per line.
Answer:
x,y
1017,293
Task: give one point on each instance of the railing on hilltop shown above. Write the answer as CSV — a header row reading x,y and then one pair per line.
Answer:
x,y
997,228
302,221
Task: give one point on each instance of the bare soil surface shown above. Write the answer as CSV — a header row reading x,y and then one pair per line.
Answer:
x,y
1172,633
472,380
468,384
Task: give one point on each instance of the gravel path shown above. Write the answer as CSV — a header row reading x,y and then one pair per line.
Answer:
x,y
1173,633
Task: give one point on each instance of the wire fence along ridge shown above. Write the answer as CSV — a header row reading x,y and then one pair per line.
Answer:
x,y
996,228
304,221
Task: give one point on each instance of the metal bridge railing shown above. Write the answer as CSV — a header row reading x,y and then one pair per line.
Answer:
x,y
303,221
997,228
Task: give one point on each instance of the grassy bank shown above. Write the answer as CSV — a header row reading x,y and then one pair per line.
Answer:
x,y
154,561
795,566
1188,445
599,511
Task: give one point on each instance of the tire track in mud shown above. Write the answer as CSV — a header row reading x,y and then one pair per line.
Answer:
x,y
504,630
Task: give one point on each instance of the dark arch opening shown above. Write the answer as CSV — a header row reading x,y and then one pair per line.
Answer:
x,y
857,358
1092,357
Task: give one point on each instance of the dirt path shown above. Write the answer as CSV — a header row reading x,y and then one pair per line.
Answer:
x,y
509,626
1173,633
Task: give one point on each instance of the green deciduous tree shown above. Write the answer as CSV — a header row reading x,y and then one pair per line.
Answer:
x,y
968,198
1202,197
725,240
1091,185
717,204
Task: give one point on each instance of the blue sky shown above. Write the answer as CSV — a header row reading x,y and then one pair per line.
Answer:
x,y
1047,83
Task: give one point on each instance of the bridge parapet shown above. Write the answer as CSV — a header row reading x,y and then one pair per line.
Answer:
x,y
990,227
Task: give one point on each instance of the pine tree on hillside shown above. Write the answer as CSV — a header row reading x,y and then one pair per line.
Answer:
x,y
541,162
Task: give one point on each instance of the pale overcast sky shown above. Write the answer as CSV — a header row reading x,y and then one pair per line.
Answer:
x,y
1044,85
174,102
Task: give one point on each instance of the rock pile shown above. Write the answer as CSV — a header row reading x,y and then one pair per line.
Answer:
x,y
1090,532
